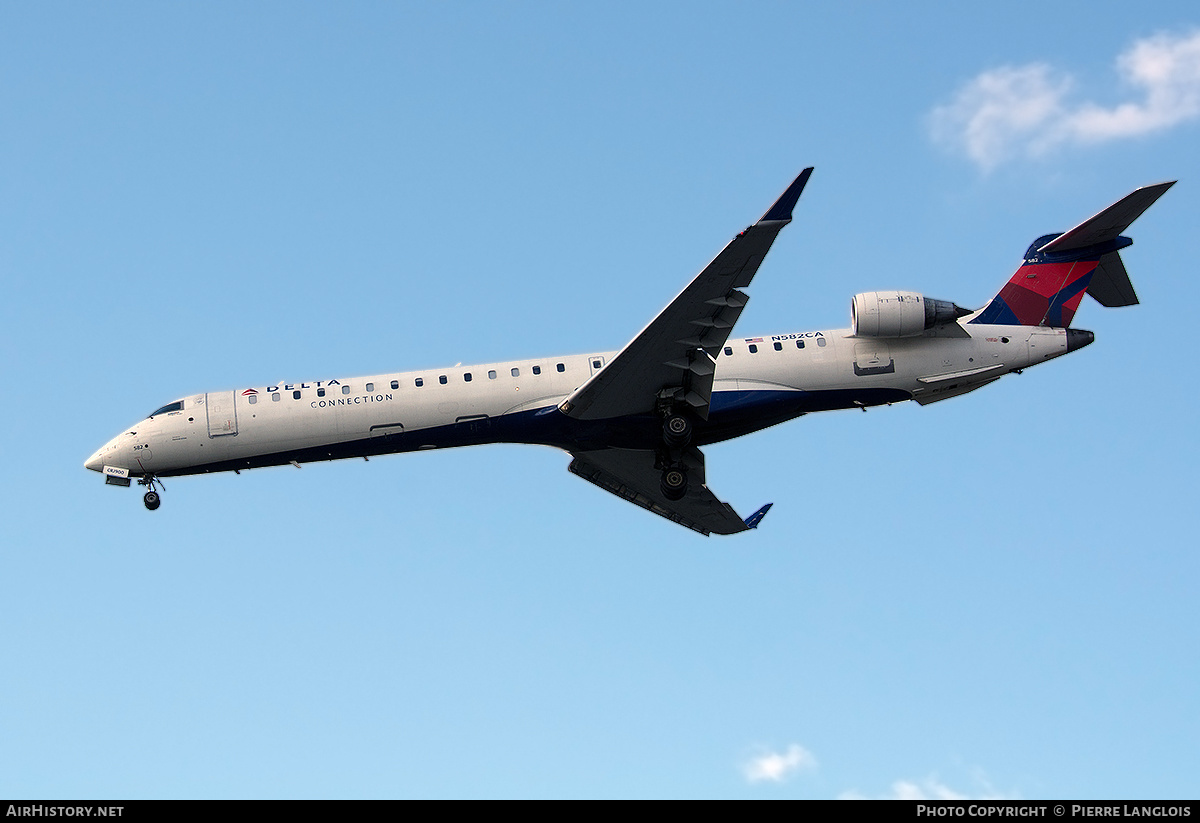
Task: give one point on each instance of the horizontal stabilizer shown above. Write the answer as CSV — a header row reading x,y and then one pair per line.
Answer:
x,y
1110,223
1110,283
1058,270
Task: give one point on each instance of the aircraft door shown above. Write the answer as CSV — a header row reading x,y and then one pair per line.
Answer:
x,y
222,415
595,363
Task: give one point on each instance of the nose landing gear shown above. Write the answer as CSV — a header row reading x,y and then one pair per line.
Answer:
x,y
151,498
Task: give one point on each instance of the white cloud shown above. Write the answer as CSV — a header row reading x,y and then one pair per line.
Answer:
x,y
777,767
928,789
1026,111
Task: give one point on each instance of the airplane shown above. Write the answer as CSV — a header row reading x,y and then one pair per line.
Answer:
x,y
634,421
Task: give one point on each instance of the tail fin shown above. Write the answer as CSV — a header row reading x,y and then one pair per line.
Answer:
x,y
1058,268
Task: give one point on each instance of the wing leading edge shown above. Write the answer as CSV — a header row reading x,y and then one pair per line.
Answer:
x,y
670,364
632,475
674,357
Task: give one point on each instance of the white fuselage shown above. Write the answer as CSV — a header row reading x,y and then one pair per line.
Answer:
x,y
758,382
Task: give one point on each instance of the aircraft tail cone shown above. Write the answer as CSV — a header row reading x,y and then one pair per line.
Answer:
x,y
1078,338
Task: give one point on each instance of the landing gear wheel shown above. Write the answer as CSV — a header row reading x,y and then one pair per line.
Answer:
x,y
151,498
677,431
674,483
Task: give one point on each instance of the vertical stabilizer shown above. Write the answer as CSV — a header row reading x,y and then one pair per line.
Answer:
x,y
1059,269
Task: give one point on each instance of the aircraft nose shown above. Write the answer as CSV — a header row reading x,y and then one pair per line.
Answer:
x,y
95,462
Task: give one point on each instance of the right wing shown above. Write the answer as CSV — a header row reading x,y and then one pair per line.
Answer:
x,y
672,362
631,474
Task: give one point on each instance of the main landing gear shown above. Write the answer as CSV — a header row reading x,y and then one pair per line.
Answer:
x,y
674,482
677,431
676,434
151,498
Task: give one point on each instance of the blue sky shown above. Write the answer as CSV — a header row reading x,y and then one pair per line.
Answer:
x,y
992,596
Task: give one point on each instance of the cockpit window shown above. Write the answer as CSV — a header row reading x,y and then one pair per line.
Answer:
x,y
176,406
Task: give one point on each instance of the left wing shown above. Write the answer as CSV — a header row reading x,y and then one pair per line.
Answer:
x,y
671,363
631,474
673,359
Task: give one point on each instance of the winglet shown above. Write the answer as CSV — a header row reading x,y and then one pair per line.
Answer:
x,y
753,520
782,210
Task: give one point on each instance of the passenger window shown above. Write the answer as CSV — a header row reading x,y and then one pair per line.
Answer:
x,y
442,379
419,382
345,389
821,342
561,367
778,347
537,369
596,364
753,349
395,384
728,351
274,395
253,399
516,372
296,394
320,392
799,344
370,387
467,377
491,374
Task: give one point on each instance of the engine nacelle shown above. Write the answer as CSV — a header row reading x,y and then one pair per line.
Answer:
x,y
899,313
